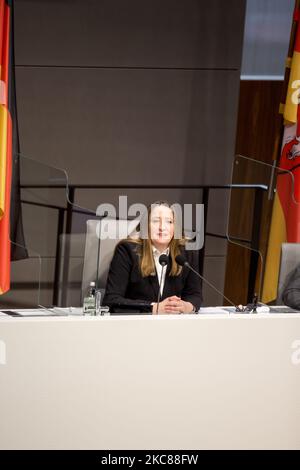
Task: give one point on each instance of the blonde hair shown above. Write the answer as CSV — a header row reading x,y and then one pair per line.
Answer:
x,y
145,252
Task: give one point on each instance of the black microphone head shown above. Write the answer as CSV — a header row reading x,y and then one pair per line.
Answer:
x,y
163,260
180,259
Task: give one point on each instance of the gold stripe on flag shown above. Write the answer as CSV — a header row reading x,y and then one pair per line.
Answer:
x,y
291,105
3,157
277,236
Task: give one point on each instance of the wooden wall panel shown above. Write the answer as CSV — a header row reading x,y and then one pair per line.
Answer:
x,y
259,125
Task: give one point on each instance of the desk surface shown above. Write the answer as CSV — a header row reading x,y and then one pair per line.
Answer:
x,y
76,313
222,381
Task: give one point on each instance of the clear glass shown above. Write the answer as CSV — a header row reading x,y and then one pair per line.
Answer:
x,y
72,230
251,202
44,194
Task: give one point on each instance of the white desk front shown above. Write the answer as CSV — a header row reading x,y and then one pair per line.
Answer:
x,y
150,382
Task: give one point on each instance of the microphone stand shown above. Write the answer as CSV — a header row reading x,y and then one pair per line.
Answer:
x,y
159,293
186,263
250,307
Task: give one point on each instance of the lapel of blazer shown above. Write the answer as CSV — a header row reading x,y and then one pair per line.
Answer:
x,y
168,282
154,284
167,285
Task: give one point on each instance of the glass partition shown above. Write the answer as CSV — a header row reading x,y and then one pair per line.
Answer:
x,y
55,228
25,280
71,230
254,187
44,195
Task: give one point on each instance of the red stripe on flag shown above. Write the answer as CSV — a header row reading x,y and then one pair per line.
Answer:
x,y
296,14
5,53
5,221
297,40
1,26
2,92
288,189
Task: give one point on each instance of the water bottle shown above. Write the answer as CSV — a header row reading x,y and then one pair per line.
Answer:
x,y
98,302
89,302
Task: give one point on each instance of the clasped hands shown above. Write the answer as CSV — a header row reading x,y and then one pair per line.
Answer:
x,y
173,305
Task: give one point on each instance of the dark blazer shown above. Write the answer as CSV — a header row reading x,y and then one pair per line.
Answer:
x,y
291,289
126,286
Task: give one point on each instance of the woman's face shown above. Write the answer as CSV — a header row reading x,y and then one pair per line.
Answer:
x,y
161,226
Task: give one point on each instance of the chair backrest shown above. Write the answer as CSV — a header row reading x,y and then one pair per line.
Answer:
x,y
290,258
100,242
70,269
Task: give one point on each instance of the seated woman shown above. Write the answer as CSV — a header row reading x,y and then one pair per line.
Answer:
x,y
291,289
135,271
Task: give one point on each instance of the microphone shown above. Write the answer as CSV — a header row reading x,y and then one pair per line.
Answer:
x,y
181,260
163,261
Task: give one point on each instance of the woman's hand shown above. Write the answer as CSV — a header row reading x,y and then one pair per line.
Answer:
x,y
173,305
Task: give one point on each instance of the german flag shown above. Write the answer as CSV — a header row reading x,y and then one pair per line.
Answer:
x,y
285,223
9,147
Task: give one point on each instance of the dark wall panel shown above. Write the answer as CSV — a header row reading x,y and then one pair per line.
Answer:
x,y
131,33
130,126
131,92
